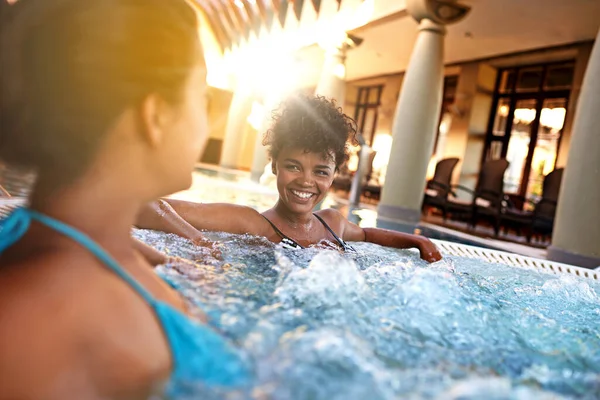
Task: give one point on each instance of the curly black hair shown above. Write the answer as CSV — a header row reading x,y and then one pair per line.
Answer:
x,y
314,124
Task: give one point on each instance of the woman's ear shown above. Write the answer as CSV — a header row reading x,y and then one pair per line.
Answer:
x,y
152,118
274,167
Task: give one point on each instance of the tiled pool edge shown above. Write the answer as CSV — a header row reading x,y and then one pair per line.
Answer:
x,y
514,260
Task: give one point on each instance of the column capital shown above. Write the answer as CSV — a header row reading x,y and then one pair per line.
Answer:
x,y
339,43
441,12
428,25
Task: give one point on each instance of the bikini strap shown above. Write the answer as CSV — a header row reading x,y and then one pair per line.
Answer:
x,y
284,239
21,218
340,241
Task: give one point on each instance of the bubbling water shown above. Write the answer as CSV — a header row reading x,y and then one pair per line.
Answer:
x,y
383,324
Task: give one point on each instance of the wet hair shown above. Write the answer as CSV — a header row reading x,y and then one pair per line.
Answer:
x,y
69,68
314,124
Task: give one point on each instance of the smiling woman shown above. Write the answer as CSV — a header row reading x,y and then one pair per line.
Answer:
x,y
307,144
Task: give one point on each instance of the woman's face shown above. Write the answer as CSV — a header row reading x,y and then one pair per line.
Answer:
x,y
186,133
303,179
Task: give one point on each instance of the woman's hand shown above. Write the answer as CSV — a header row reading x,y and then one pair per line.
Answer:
x,y
401,240
208,248
429,252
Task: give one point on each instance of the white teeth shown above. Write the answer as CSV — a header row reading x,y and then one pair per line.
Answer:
x,y
302,195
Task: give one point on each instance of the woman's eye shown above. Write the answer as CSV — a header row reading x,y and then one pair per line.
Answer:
x,y
292,168
322,173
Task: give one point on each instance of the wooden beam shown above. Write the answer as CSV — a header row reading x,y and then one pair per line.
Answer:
x,y
298,8
243,24
253,16
282,12
317,6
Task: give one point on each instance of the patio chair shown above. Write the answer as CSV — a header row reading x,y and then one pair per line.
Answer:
x,y
540,221
343,179
439,187
488,197
370,190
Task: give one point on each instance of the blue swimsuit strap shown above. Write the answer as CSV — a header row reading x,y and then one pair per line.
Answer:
x,y
18,223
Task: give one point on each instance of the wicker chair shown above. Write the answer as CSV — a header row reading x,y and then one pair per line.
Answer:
x,y
487,198
439,188
540,221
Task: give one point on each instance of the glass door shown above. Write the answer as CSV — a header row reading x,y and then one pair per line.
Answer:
x,y
524,120
543,160
527,133
528,114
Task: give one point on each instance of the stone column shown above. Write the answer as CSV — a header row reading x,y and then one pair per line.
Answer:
x,y
581,62
261,158
576,238
417,112
240,107
332,82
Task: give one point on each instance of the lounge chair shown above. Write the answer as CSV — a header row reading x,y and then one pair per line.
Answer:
x,y
540,221
343,179
439,187
371,191
488,197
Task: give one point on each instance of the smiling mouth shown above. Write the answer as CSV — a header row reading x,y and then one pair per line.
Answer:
x,y
302,195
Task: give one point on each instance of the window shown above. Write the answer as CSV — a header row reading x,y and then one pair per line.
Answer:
x,y
365,113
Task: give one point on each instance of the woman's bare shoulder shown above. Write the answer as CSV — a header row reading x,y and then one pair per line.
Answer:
x,y
331,215
225,217
341,225
37,322
334,218
53,307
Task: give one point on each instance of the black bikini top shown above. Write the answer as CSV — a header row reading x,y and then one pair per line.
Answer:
x,y
290,243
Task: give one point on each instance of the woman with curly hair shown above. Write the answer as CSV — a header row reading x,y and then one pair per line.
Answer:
x,y
307,143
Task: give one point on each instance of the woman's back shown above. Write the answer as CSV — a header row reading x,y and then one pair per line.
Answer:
x,y
66,319
110,118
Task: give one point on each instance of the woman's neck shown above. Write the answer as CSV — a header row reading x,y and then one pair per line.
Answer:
x,y
294,220
104,213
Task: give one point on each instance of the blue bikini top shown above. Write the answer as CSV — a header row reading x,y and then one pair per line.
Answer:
x,y
200,356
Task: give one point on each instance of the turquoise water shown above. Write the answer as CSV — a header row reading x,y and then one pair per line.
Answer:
x,y
382,324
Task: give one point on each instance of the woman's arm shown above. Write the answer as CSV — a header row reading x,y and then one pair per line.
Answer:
x,y
401,240
160,216
186,219
153,256
388,238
